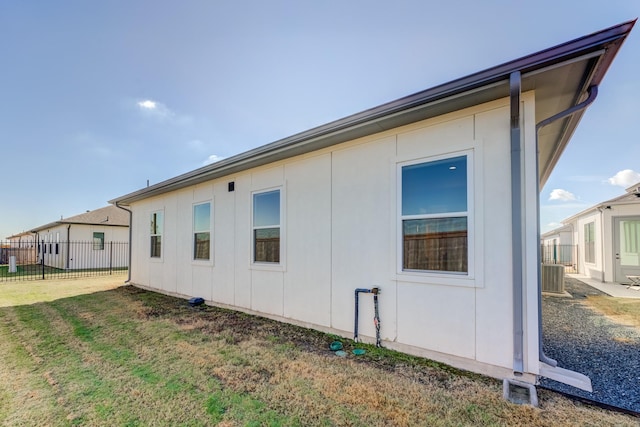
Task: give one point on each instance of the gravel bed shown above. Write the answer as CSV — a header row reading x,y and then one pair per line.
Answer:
x,y
584,341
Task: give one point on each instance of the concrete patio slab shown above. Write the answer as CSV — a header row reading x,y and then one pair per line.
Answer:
x,y
612,289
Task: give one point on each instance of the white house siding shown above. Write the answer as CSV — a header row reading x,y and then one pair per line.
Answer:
x,y
340,231
603,268
593,269
82,254
309,240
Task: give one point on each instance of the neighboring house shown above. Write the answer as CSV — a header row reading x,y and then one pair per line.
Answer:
x,y
607,237
21,246
432,198
558,248
83,241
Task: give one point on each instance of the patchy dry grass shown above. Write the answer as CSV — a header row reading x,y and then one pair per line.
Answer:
x,y
30,292
130,357
625,311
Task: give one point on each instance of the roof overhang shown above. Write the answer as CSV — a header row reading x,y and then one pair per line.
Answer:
x,y
560,77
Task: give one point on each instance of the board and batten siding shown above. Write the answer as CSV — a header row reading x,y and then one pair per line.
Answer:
x,y
340,231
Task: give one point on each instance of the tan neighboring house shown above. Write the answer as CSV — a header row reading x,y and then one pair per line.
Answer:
x,y
21,246
80,241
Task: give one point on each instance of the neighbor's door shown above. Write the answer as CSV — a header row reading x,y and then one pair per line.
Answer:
x,y
627,247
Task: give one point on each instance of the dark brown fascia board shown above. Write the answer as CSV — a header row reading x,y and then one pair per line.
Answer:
x,y
373,120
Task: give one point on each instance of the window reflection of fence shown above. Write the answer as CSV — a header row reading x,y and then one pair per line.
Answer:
x,y
267,249
40,260
201,246
445,251
566,255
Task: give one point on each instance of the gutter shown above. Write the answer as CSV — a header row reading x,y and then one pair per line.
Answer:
x,y
130,241
551,370
517,231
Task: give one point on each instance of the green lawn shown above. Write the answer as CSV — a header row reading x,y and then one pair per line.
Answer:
x,y
120,356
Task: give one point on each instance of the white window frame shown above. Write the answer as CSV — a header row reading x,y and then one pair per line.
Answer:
x,y
101,243
161,234
264,265
209,230
436,276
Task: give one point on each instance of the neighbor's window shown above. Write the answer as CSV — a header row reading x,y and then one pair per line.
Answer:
x,y
590,242
266,227
434,215
202,231
98,241
156,234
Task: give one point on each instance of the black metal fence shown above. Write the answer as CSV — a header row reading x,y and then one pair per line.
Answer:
x,y
58,260
566,255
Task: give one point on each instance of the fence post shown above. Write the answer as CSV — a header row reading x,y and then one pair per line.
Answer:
x,y
110,258
42,259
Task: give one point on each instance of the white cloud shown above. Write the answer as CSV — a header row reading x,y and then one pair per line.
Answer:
x,y
212,159
625,178
562,195
147,104
155,109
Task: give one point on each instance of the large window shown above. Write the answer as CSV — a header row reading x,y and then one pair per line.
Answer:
x,y
156,234
266,227
202,231
589,243
98,241
435,216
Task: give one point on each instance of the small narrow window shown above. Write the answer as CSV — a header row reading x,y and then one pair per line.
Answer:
x,y
202,231
266,227
434,215
590,243
156,234
98,241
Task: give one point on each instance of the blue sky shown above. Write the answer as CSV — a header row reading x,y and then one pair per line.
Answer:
x,y
96,98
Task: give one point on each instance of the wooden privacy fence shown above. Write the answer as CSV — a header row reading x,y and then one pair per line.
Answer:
x,y
43,260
